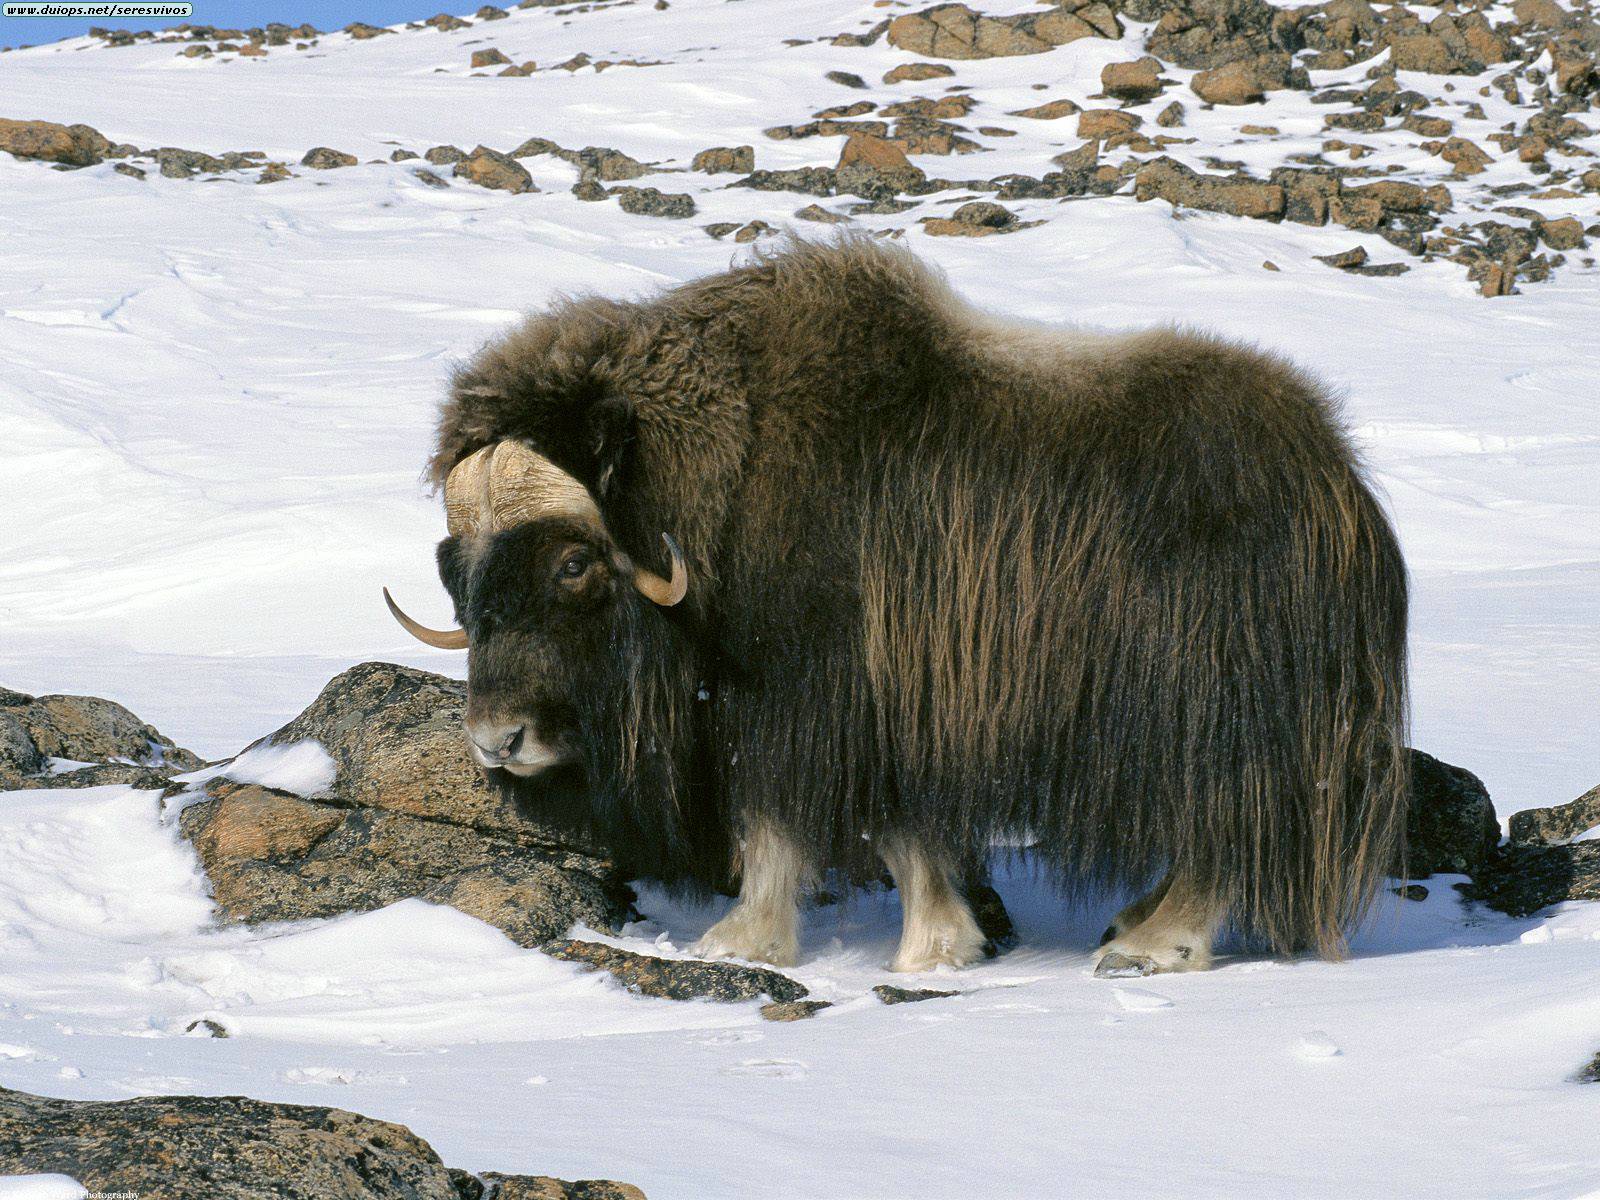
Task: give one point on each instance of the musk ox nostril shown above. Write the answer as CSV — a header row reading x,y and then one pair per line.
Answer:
x,y
497,742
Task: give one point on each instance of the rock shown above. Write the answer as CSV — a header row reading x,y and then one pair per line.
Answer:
x,y
177,163
273,173
71,145
233,1148
1411,891
1564,233
955,31
811,181
445,23
489,58
652,202
490,13
323,158
1452,826
752,231
1054,110
407,815
1167,179
866,160
977,218
543,1187
443,156
491,169
1171,116
403,155
793,1010
1559,823
600,162
1519,880
890,994
1212,33
815,212
1234,83
1134,82
430,179
86,729
846,79
1590,1073
720,160
1465,156
917,72
680,978
129,170
361,31
721,229
1106,122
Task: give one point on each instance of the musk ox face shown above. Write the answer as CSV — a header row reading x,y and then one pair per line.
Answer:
x,y
540,603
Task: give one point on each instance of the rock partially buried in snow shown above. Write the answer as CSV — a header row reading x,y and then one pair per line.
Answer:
x,y
491,169
70,145
680,978
890,994
325,158
956,31
106,741
234,1148
1452,826
1560,823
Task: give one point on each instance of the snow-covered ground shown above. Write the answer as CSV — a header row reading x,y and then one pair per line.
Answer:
x,y
215,402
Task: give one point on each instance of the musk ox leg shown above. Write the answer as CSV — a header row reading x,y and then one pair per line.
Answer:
x,y
1177,935
936,925
764,926
1136,912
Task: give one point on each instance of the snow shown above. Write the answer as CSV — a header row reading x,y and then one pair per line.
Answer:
x,y
302,768
218,398
41,1187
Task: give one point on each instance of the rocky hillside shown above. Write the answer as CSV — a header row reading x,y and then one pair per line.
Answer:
x,y
1464,131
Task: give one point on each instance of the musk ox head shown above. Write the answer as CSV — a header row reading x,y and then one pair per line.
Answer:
x,y
550,612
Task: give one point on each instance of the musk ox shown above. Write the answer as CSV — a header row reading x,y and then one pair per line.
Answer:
x,y
943,580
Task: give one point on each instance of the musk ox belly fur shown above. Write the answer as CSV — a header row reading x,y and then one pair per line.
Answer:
x,y
1127,597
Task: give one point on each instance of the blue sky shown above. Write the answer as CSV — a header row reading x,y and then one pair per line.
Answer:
x,y
241,14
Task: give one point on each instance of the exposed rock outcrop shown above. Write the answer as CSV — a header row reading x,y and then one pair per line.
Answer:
x,y
82,729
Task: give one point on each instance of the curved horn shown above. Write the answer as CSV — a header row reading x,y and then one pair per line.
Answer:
x,y
443,639
661,591
466,494
523,486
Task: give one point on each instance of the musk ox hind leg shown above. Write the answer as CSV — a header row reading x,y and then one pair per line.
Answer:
x,y
937,926
1176,935
1136,912
764,926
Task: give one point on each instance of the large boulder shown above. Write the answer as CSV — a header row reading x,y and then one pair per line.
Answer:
x,y
233,1148
955,31
1452,827
82,729
69,145
1558,824
406,813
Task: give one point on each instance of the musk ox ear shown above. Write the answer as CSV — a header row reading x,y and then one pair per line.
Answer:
x,y
610,435
453,572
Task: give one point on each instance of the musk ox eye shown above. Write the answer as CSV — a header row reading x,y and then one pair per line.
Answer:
x,y
574,566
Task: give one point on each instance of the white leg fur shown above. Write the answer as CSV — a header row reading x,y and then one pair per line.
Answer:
x,y
764,926
1176,935
937,926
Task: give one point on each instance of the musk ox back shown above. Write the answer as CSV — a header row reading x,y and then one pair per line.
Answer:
x,y
948,580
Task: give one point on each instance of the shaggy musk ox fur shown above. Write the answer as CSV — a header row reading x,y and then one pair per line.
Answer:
x,y
1127,596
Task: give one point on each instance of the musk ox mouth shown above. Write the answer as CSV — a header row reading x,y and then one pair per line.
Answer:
x,y
531,758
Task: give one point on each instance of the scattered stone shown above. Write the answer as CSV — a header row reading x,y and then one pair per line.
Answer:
x,y
445,23
322,158
679,978
1052,111
490,13
1411,891
1558,824
1212,33
70,145
1167,179
1565,233
846,79
408,814
815,212
489,58
721,160
977,218
875,161
652,202
1171,116
129,170
233,1148
793,1010
721,229
1269,265
1233,83
432,180
361,31
1519,880
1591,1072
917,72
443,156
1452,826
1106,122
890,994
206,1027
1344,259
752,231
274,172
846,110
491,169
1134,82
955,31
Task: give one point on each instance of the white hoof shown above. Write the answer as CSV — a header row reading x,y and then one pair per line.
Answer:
x,y
738,935
958,945
1123,958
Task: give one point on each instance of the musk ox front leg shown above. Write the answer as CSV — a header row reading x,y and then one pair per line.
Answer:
x,y
764,926
937,926
1175,934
